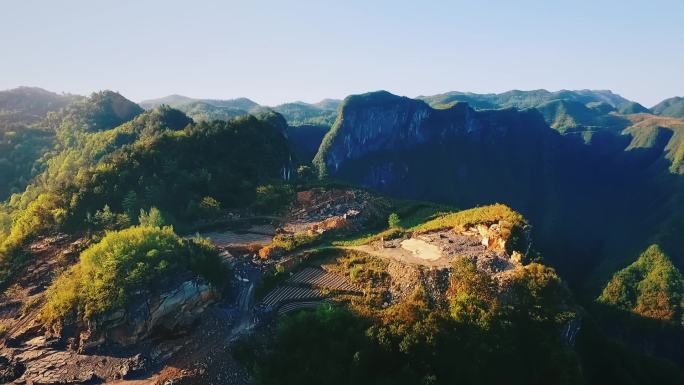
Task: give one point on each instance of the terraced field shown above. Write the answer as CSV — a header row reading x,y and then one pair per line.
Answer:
x,y
286,294
307,289
320,278
294,306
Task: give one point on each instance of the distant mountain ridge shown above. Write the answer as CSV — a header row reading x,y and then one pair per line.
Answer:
x,y
296,113
180,100
27,105
524,99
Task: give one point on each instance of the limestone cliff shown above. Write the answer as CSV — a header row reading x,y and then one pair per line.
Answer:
x,y
379,121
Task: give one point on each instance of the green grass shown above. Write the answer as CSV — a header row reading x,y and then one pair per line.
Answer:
x,y
363,269
461,220
290,243
411,214
367,238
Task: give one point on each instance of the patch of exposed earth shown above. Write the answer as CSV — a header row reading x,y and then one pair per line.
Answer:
x,y
253,237
319,210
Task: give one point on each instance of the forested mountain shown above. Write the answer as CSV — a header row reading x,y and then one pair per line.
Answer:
x,y
307,123
651,286
26,105
20,151
180,100
300,113
564,110
23,140
435,238
205,109
112,156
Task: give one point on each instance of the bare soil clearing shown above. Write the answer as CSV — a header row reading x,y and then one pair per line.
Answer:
x,y
421,249
320,210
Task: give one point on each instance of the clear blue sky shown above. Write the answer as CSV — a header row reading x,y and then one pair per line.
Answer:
x,y
277,51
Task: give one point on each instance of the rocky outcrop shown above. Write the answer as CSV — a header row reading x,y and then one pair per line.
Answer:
x,y
170,311
500,240
37,362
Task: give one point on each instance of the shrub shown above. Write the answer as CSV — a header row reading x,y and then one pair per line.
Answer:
x,y
43,214
107,220
154,218
126,262
210,207
268,252
472,294
272,197
291,242
364,269
393,220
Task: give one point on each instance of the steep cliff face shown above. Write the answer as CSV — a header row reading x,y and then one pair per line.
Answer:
x,y
380,121
404,147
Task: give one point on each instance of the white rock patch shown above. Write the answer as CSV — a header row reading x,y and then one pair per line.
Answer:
x,y
421,249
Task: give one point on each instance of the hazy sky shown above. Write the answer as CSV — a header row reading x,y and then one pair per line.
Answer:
x,y
277,51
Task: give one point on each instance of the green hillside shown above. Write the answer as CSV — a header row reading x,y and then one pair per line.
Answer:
x,y
27,105
651,287
23,139
673,107
300,113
